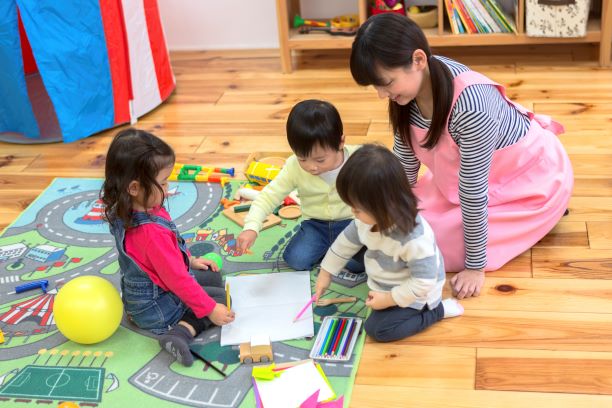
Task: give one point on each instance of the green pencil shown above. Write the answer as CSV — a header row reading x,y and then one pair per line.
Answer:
x,y
330,334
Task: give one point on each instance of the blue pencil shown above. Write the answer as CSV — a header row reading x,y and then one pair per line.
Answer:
x,y
336,328
331,327
320,338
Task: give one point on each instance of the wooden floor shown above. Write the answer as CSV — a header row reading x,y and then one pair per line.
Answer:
x,y
541,332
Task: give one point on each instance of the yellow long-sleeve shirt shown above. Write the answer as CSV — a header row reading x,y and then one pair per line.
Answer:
x,y
318,199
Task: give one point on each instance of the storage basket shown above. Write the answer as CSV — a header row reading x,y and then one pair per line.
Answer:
x,y
557,18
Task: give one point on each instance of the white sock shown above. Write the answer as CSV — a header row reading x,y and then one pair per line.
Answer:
x,y
452,308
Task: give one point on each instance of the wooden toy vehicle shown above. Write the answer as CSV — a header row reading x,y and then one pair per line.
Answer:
x,y
258,350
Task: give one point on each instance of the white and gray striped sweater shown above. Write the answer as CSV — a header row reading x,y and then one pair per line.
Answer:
x,y
410,266
481,122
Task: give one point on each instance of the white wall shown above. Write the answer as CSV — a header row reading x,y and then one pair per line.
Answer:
x,y
234,24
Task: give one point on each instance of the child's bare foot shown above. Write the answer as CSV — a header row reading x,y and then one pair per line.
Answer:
x,y
452,308
467,283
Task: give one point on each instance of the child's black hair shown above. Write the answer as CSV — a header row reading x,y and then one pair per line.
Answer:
x,y
373,180
133,155
314,122
389,41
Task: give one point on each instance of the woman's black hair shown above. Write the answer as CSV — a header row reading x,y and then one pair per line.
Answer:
x,y
313,122
373,180
133,155
389,41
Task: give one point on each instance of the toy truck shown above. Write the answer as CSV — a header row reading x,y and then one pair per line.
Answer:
x,y
258,350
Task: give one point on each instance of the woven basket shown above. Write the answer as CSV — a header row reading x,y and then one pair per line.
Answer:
x,y
425,19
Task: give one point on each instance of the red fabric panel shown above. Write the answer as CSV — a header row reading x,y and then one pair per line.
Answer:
x,y
161,59
118,57
29,63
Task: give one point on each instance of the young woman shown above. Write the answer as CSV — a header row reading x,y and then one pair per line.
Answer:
x,y
498,177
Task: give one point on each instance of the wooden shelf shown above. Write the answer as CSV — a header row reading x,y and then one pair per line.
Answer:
x,y
598,31
448,39
317,41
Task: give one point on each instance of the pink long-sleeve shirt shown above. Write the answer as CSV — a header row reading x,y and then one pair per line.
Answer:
x,y
155,249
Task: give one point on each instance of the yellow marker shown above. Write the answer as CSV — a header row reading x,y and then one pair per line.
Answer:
x,y
227,294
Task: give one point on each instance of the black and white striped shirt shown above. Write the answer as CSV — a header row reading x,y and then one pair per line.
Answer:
x,y
481,122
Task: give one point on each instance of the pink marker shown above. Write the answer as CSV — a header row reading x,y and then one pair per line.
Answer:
x,y
305,307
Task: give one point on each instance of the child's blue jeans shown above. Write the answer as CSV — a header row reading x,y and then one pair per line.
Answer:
x,y
308,247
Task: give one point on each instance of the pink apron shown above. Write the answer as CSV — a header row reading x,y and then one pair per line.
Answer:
x,y
530,184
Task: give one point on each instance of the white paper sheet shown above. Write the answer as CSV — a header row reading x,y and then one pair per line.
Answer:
x,y
266,304
293,387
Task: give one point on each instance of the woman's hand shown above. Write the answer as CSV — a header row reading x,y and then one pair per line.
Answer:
x,y
204,264
380,300
467,283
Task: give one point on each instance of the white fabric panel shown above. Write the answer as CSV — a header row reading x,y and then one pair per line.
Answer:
x,y
142,68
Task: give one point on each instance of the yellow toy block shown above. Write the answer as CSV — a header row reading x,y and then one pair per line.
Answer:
x,y
261,173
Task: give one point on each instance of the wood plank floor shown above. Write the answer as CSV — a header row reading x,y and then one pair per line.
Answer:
x,y
540,333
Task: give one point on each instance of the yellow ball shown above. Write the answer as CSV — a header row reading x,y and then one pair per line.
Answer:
x,y
88,309
414,10
68,404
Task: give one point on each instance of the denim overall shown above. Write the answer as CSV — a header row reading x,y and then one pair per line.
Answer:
x,y
146,304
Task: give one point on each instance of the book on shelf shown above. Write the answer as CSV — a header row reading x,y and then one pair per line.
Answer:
x,y
504,18
489,20
453,18
478,17
465,17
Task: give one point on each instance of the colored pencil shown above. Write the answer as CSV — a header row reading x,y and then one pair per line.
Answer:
x,y
334,337
347,336
319,340
349,340
330,334
208,363
305,307
340,330
324,338
227,297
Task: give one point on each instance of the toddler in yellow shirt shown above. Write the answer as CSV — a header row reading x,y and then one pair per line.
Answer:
x,y
315,135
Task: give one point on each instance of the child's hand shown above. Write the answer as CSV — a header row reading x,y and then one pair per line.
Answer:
x,y
323,282
245,240
380,300
205,264
221,315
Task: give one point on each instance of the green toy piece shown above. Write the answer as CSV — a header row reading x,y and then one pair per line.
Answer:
x,y
265,372
216,258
